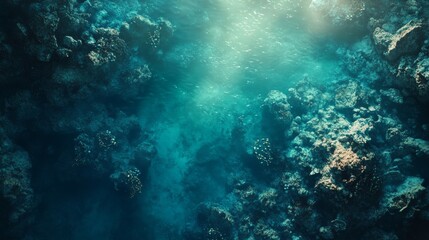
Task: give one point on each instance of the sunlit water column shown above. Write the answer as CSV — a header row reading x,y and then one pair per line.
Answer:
x,y
249,48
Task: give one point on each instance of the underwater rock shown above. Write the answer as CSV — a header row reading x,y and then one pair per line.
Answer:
x,y
346,95
294,183
132,82
147,35
362,61
304,97
215,221
105,140
276,109
393,135
15,185
268,199
94,151
138,75
264,232
419,146
334,156
421,77
127,181
138,26
413,75
71,80
360,130
393,95
406,198
406,40
43,26
245,192
64,52
335,226
70,42
380,234
349,175
108,47
84,150
382,39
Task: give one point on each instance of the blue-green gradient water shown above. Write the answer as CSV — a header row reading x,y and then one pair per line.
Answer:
x,y
227,56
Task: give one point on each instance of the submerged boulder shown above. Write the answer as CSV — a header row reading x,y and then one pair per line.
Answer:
x,y
419,146
146,34
16,193
406,40
108,47
381,38
347,95
349,175
413,75
277,109
405,200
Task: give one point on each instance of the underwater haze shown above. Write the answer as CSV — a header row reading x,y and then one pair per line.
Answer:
x,y
214,119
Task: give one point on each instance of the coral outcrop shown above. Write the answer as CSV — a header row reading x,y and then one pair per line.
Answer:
x,y
408,39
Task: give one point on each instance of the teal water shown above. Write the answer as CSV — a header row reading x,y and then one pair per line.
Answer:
x,y
227,56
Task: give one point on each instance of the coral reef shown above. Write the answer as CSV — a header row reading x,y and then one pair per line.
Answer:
x,y
128,181
408,39
16,191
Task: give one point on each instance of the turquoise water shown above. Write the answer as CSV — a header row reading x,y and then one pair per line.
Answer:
x,y
228,55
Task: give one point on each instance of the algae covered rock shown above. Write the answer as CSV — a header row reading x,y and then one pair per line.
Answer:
x,y
393,95
406,40
16,192
407,198
277,109
347,95
381,38
108,47
349,175
215,222
44,26
147,35
419,146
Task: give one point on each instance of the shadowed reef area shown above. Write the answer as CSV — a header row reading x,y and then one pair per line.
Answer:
x,y
214,119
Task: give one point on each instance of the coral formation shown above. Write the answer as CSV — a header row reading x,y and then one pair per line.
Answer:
x,y
16,191
262,151
128,181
